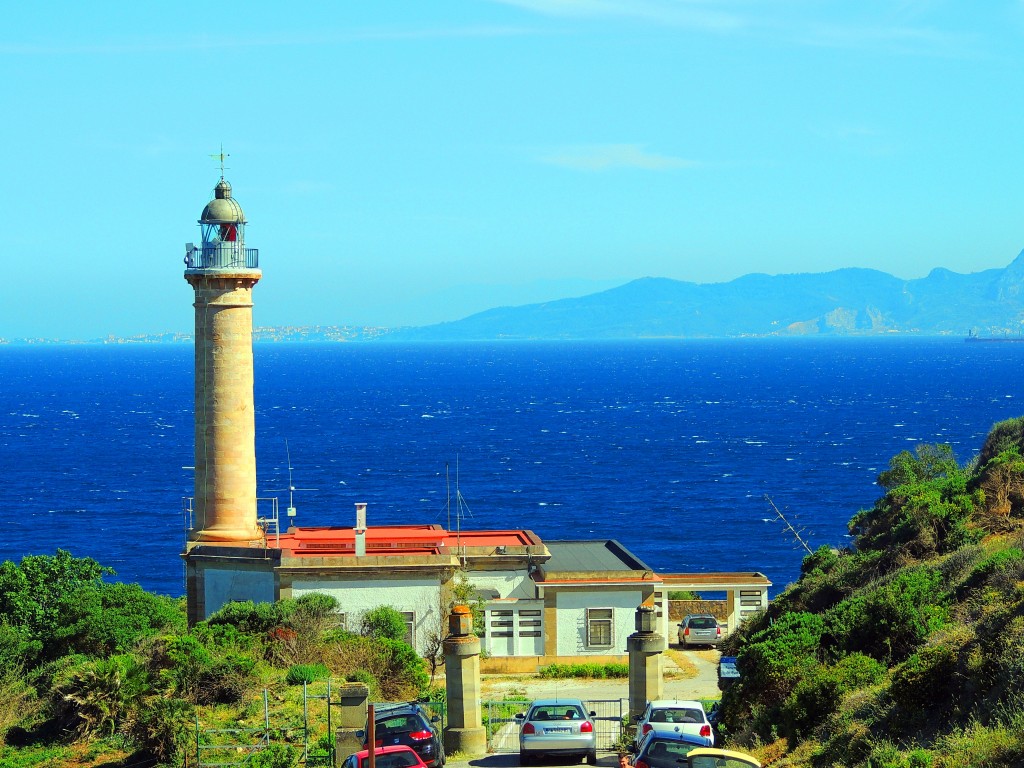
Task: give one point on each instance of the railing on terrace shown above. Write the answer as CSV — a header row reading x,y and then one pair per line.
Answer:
x,y
222,256
269,520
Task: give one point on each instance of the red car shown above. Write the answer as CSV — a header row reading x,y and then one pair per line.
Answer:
x,y
395,756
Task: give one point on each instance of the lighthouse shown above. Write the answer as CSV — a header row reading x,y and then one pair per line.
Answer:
x,y
222,272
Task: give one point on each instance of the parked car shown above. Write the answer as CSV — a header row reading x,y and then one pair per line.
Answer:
x,y
557,727
720,758
666,750
673,716
700,629
408,725
399,756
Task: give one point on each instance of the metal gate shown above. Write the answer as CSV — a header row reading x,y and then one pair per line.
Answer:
x,y
499,719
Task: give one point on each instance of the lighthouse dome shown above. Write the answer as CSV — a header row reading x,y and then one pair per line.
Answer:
x,y
223,209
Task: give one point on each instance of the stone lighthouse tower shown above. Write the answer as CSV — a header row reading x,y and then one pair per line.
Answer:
x,y
222,272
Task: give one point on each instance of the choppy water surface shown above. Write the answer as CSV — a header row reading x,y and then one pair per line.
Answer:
x,y
669,447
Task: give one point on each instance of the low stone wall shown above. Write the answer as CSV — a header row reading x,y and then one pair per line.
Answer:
x,y
678,609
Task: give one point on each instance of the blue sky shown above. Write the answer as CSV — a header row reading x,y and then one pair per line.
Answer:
x,y
412,162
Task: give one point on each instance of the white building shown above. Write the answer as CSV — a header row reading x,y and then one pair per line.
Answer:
x,y
543,601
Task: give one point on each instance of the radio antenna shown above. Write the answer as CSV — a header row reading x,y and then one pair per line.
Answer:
x,y
788,526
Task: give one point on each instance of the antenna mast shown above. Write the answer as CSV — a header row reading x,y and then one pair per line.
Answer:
x,y
221,156
788,526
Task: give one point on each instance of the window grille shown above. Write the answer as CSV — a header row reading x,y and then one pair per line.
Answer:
x,y
410,627
599,627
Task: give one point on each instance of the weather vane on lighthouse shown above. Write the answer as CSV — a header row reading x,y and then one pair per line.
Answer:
x,y
221,157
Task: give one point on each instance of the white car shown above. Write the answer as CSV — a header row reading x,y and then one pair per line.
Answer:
x,y
674,716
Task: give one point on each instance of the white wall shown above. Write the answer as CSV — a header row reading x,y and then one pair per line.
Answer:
x,y
507,583
509,614
572,619
224,585
419,595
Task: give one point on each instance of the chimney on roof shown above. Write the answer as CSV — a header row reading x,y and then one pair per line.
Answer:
x,y
360,529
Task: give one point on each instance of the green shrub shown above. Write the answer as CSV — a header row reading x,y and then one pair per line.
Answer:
x,y
822,559
95,697
1004,436
885,754
888,621
164,728
112,618
819,693
590,671
227,679
927,507
922,684
774,658
37,594
383,623
274,756
363,676
1011,560
183,664
306,673
404,673
247,616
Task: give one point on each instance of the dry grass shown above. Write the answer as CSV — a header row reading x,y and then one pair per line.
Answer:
x,y
687,669
18,703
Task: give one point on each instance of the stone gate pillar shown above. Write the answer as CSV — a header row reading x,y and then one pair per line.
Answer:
x,y
352,706
464,732
645,663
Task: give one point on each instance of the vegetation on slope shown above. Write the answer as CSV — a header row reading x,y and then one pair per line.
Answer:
x,y
92,671
906,649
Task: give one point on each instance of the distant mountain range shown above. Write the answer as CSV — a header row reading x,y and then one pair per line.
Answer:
x,y
846,302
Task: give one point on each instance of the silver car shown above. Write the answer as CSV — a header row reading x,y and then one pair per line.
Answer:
x,y
557,727
699,629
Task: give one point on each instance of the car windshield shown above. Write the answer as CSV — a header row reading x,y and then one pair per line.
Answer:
x,y
703,622
557,712
399,724
667,754
403,759
677,715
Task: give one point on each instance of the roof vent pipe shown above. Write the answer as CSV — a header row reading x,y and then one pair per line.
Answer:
x,y
360,529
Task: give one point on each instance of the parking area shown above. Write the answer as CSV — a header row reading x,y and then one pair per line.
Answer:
x,y
510,760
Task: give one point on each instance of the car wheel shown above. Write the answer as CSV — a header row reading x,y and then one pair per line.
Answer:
x,y
524,759
592,757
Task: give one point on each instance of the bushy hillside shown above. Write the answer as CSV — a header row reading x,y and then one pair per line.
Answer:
x,y
908,648
99,673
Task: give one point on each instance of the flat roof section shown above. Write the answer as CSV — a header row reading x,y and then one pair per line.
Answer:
x,y
727,580
590,556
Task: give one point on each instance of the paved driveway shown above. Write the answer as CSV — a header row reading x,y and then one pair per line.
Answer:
x,y
702,686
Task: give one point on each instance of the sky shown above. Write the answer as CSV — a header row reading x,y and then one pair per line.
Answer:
x,y
407,162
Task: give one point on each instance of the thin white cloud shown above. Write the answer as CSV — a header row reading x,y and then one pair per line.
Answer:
x,y
604,157
682,13
222,42
894,31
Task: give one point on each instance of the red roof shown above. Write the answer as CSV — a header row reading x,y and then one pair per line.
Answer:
x,y
393,540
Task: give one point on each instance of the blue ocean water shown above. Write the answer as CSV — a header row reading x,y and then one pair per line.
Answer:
x,y
668,446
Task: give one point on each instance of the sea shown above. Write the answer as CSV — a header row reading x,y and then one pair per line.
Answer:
x,y
698,456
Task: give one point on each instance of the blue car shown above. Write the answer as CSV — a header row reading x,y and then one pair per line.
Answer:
x,y
667,750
